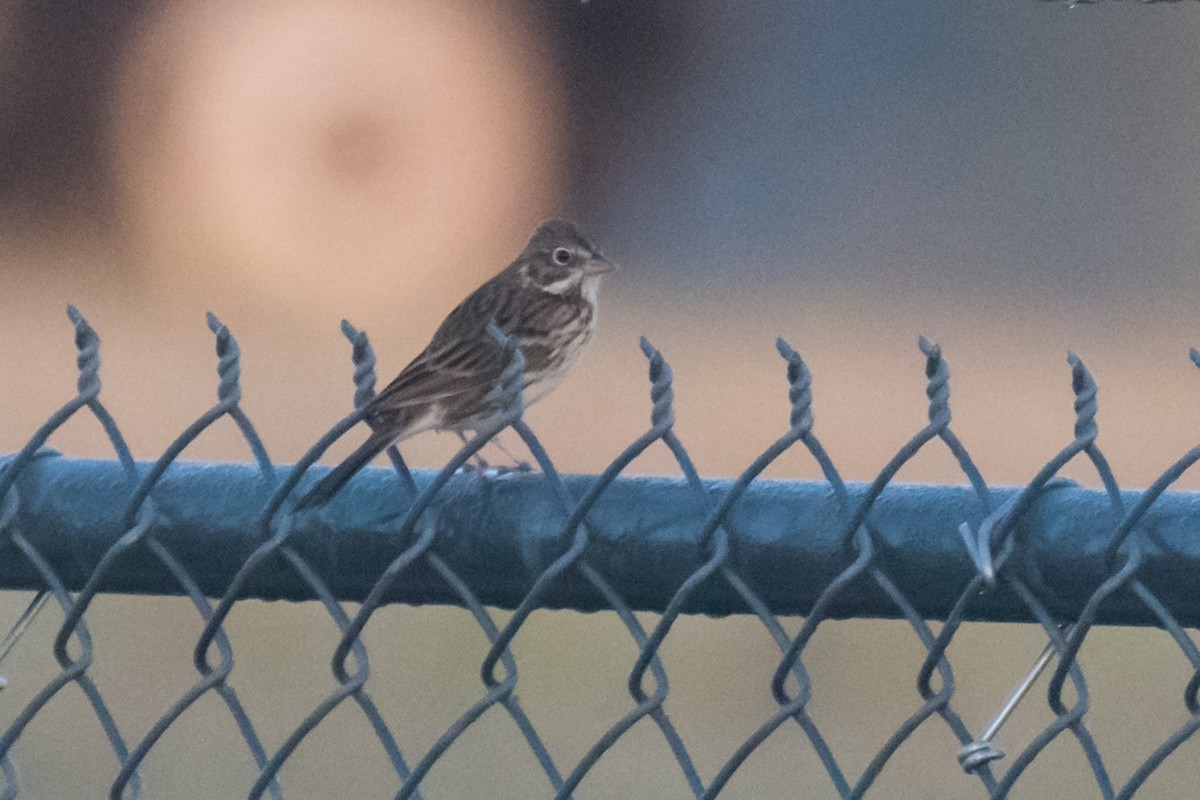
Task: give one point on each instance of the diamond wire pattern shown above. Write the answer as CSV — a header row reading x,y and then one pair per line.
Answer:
x,y
576,528
73,669
860,528
364,379
991,540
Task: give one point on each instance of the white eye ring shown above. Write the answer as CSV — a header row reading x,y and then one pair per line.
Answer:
x,y
561,256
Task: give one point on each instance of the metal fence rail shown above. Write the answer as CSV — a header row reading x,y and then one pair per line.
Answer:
x,y
1052,553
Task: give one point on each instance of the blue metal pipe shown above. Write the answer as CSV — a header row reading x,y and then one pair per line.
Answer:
x,y
499,533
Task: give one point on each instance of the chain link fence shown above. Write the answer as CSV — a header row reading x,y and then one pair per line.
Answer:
x,y
1049,553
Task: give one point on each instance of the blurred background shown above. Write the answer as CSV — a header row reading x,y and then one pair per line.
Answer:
x,y
1014,180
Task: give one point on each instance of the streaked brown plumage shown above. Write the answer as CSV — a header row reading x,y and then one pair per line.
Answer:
x,y
545,300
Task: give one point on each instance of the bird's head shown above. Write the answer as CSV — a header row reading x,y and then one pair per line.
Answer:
x,y
560,259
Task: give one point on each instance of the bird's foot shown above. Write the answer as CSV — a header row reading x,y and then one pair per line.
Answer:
x,y
476,464
511,469
496,470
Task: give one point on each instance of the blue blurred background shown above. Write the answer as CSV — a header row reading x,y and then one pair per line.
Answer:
x,y
1027,149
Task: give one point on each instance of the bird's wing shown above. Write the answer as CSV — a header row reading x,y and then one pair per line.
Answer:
x,y
444,371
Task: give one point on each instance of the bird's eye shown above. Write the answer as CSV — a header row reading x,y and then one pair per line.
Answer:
x,y
561,256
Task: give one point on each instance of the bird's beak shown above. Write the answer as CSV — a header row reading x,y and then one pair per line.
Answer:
x,y
598,266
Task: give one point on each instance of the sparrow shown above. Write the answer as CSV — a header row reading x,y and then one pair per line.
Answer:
x,y
545,301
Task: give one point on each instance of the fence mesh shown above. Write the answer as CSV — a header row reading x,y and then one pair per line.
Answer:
x,y
992,543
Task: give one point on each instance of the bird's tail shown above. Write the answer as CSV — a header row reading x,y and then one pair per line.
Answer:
x,y
328,486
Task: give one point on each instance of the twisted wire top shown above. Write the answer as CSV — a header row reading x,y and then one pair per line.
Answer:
x,y
363,356
800,387
662,395
229,364
938,388
1084,387
87,342
512,378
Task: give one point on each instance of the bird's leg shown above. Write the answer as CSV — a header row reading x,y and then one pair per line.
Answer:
x,y
479,462
519,465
